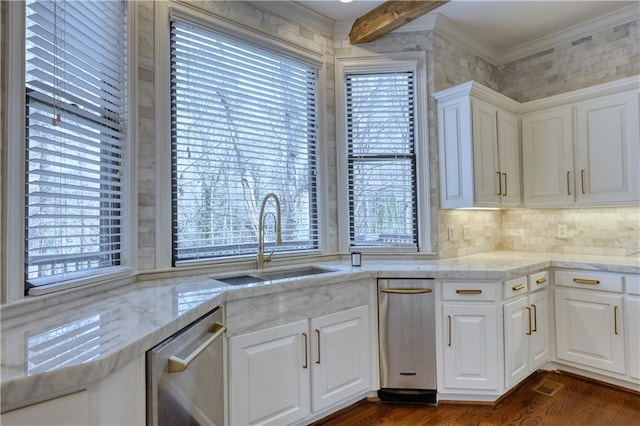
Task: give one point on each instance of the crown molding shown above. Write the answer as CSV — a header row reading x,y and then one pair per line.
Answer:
x,y
445,27
593,26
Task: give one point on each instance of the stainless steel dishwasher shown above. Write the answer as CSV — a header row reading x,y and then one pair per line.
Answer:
x,y
407,333
185,375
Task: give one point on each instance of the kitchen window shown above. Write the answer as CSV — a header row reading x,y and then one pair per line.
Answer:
x,y
243,125
381,135
73,171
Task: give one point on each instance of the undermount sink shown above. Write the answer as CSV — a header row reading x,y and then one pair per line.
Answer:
x,y
260,276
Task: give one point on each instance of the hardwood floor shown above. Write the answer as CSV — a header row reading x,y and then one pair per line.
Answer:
x,y
577,402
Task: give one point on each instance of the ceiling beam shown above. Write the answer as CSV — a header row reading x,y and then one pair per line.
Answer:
x,y
387,17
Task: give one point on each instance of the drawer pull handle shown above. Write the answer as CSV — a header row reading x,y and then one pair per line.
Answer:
x,y
517,287
468,291
449,318
505,184
584,281
406,290
582,180
568,183
615,319
306,352
177,364
499,183
541,280
529,312
318,335
535,318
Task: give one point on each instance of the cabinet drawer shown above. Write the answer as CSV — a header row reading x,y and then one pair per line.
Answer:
x,y
468,291
538,280
589,280
514,287
633,284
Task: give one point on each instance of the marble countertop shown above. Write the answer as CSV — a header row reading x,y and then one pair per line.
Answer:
x,y
64,347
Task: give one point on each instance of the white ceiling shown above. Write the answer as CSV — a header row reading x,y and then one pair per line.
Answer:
x,y
499,25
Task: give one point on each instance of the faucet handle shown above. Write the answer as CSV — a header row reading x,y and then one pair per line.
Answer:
x,y
268,258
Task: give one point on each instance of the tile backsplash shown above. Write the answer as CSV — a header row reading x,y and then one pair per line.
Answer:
x,y
598,231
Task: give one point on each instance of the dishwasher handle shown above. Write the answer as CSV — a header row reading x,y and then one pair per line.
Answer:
x,y
177,364
406,290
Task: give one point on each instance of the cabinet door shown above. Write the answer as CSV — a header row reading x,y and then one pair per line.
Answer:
x,y
64,411
486,171
509,158
517,332
340,356
470,346
540,339
608,151
547,158
269,376
633,324
589,329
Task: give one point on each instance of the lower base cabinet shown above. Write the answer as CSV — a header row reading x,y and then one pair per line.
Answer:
x,y
589,329
67,410
282,374
471,346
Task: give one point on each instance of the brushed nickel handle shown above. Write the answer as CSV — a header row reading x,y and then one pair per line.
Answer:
x,y
406,290
468,291
177,364
535,318
585,281
541,280
499,183
569,183
306,351
615,319
449,317
529,310
582,180
517,287
318,336
505,184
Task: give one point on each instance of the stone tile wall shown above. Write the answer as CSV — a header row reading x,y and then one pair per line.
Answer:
x,y
598,231
605,56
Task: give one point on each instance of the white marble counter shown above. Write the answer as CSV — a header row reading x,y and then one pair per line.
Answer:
x,y
70,345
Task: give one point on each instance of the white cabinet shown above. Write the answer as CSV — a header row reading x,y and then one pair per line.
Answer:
x,y
526,336
632,283
470,344
479,148
64,411
584,150
590,329
270,375
608,149
547,158
340,353
124,388
282,374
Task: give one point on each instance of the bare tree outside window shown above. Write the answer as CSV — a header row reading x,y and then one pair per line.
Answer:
x,y
243,125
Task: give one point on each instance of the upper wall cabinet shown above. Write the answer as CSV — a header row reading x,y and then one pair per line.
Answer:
x,y
479,148
583,148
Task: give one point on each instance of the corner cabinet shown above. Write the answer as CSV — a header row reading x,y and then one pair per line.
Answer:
x,y
282,374
479,148
582,148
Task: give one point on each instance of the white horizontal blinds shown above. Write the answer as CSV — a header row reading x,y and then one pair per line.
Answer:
x,y
75,129
243,125
381,158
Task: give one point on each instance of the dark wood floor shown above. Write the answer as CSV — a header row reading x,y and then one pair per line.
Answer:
x,y
577,402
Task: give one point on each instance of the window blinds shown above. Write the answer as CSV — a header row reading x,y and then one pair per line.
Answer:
x,y
381,162
75,135
243,123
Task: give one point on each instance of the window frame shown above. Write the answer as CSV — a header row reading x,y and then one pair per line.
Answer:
x,y
14,178
389,62
164,218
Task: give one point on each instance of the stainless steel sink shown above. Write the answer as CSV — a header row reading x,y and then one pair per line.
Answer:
x,y
260,276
